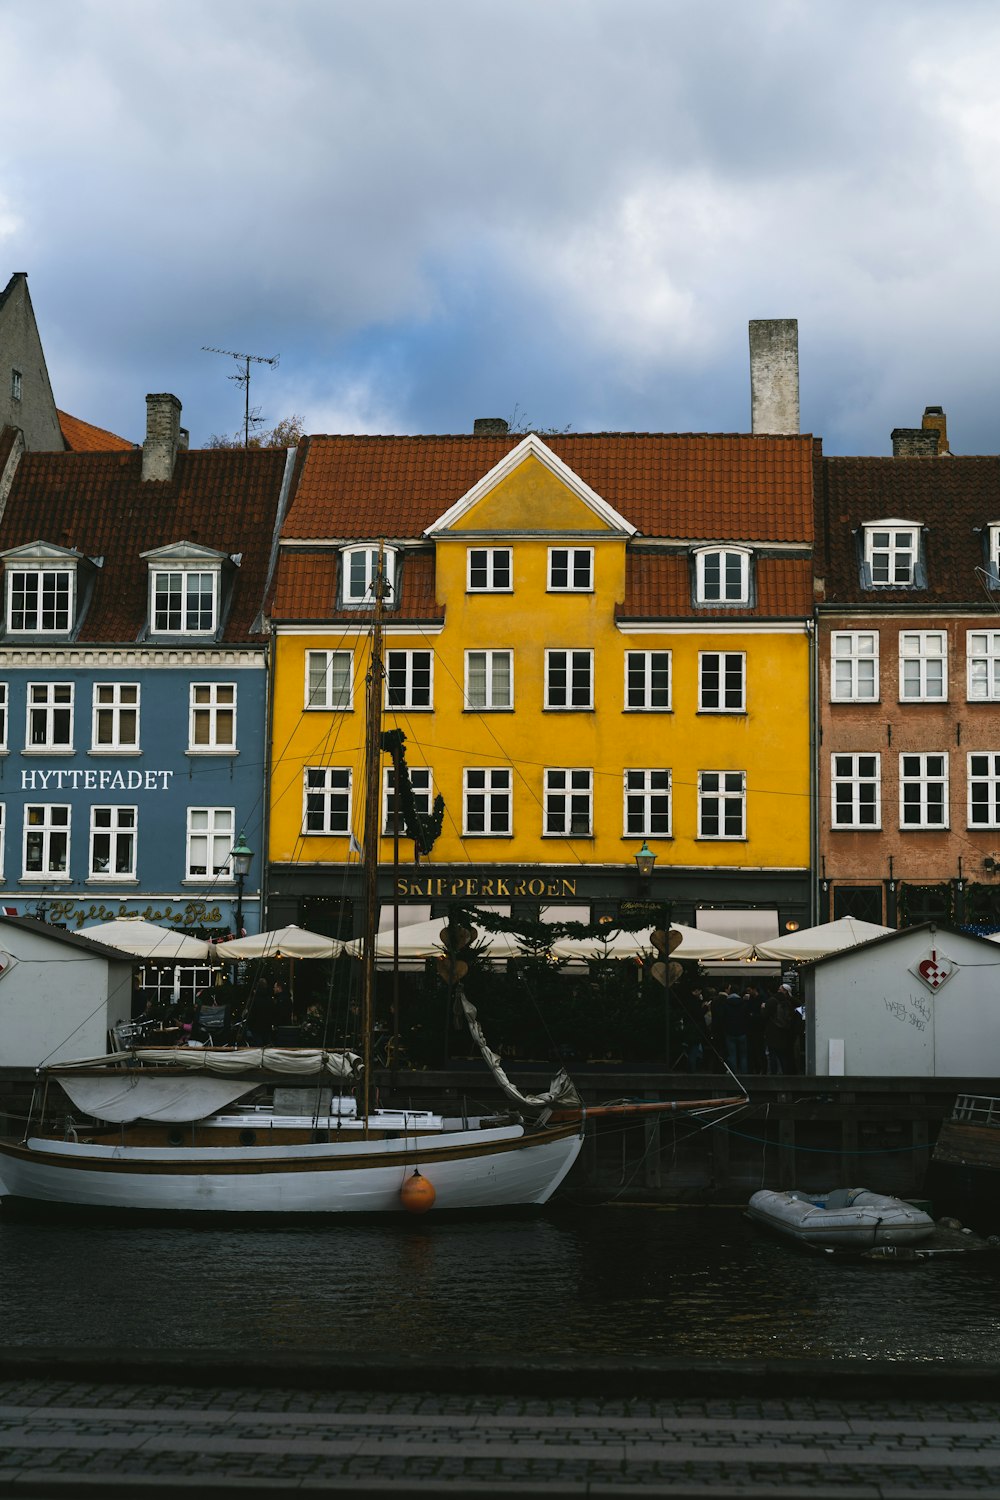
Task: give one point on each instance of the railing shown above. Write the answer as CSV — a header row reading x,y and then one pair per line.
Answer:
x,y
977,1109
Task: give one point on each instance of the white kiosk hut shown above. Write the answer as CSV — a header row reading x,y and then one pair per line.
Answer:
x,y
60,994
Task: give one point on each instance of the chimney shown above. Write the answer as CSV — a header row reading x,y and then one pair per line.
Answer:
x,y
163,428
774,375
936,421
490,427
914,442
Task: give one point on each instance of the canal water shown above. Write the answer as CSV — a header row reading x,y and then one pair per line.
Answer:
x,y
614,1281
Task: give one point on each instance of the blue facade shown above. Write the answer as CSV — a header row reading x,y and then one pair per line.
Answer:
x,y
128,775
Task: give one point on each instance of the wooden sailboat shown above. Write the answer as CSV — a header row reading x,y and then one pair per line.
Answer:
x,y
180,1129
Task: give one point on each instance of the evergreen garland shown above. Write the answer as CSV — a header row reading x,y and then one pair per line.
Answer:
x,y
421,829
540,934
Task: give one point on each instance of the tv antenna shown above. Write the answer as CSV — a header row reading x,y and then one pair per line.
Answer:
x,y
243,380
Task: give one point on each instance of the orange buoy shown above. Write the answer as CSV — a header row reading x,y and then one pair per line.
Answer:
x,y
417,1194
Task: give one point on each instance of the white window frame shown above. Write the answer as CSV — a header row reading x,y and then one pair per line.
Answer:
x,y
923,779
16,384
729,790
489,566
43,708
993,554
572,664
187,573
355,593
422,782
854,650
987,777
4,716
579,561
982,648
731,689
573,788
121,829
723,592
322,694
411,691
493,700
220,826
923,648
329,786
115,708
51,828
849,774
493,786
55,595
213,709
648,803
886,544
641,668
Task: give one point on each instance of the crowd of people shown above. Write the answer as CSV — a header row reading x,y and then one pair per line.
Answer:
x,y
751,1030
224,1014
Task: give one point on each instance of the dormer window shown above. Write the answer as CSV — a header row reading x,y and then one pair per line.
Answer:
x,y
41,590
892,554
722,575
185,584
992,538
360,567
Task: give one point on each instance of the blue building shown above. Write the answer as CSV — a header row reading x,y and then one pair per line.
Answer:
x,y
133,678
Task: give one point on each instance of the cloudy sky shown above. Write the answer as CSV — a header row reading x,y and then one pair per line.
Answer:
x,y
567,209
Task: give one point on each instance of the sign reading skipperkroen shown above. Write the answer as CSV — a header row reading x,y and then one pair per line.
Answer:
x,y
95,781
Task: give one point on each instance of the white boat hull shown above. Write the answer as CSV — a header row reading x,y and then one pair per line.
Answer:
x,y
468,1169
850,1217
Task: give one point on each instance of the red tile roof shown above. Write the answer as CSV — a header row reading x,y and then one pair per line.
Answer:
x,y
725,487
658,586
306,588
83,437
97,504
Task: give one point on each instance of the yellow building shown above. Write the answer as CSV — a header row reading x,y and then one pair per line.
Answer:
x,y
592,642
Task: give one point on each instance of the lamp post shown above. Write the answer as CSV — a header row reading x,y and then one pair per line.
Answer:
x,y
242,857
645,860
645,863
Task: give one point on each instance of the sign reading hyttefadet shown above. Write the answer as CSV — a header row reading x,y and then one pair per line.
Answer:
x,y
95,781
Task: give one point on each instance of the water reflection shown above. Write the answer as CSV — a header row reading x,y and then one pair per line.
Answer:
x,y
611,1281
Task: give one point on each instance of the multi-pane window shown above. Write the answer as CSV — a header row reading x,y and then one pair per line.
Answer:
x,y
647,679
116,716
50,716
40,600
855,791
489,570
983,648
408,679
891,554
329,679
184,601
360,570
46,840
569,679
571,569
923,666
722,804
647,804
210,832
489,679
984,789
722,682
421,784
326,799
854,666
923,791
212,722
112,842
486,800
722,577
569,802
3,716
15,385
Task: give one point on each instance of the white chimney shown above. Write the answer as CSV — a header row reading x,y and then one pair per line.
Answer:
x,y
163,431
774,375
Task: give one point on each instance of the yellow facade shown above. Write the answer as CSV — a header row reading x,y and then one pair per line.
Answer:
x,y
529,511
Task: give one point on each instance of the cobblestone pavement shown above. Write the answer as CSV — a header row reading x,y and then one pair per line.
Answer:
x,y
75,1439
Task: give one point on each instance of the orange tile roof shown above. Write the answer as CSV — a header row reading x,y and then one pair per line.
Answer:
x,y
83,437
725,487
307,582
658,586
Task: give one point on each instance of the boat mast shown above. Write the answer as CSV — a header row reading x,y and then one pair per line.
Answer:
x,y
372,772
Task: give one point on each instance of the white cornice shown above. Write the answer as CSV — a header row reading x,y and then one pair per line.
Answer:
x,y
339,630
13,658
714,627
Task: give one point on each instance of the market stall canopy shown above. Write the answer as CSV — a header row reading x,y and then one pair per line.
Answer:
x,y
423,940
817,942
142,939
282,942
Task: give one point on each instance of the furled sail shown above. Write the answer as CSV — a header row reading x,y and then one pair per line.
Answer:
x,y
561,1091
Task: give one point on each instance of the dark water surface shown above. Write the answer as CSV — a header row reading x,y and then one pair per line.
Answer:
x,y
613,1281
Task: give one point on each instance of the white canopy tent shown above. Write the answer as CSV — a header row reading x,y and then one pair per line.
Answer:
x,y
146,940
423,940
694,944
817,942
282,942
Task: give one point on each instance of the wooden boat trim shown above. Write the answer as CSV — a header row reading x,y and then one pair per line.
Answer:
x,y
647,1108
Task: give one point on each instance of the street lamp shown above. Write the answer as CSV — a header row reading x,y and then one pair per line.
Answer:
x,y
242,857
645,859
